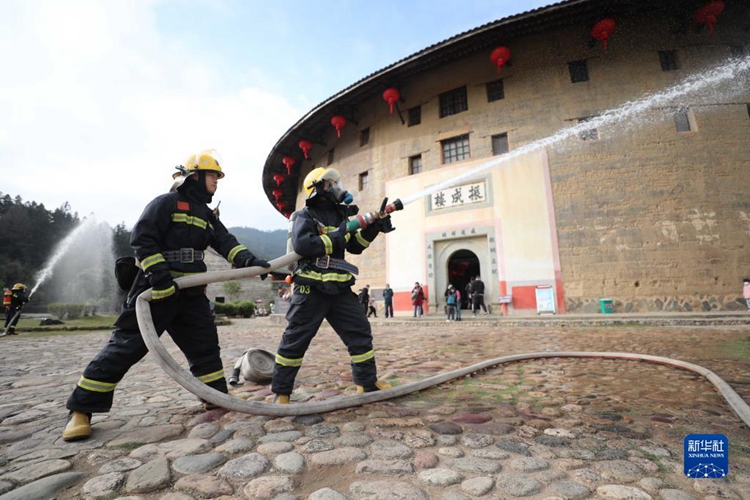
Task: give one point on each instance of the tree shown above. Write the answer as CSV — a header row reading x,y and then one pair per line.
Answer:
x,y
232,288
121,241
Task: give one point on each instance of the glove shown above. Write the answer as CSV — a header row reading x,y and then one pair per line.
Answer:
x,y
255,261
163,285
338,237
383,225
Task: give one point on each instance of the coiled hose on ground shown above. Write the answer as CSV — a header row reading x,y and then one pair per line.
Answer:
x,y
192,384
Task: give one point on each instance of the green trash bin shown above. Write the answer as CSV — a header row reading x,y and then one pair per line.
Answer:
x,y
606,306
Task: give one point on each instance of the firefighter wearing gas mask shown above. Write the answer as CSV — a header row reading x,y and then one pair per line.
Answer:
x,y
170,240
16,300
322,284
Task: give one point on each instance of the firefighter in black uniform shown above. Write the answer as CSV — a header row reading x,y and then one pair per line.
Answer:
x,y
169,240
322,284
13,312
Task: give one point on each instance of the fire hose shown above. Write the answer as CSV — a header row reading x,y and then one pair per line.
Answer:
x,y
184,378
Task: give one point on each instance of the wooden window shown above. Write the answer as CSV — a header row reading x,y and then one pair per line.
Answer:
x,y
364,136
363,180
456,149
453,102
668,60
495,91
579,71
415,164
500,144
415,116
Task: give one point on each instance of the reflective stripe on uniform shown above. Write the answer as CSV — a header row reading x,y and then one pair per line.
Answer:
x,y
95,385
360,358
190,220
162,294
149,261
313,275
361,240
233,253
327,243
211,377
281,360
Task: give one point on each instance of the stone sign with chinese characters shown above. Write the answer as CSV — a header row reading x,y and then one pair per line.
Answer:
x,y
466,194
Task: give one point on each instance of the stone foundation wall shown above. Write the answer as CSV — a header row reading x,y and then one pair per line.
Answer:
x,y
698,303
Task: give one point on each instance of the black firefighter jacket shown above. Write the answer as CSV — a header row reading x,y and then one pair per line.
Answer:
x,y
173,221
311,239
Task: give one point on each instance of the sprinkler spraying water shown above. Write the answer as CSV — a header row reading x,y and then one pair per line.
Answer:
x,y
91,243
737,69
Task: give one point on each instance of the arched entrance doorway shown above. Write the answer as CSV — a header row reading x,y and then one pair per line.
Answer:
x,y
462,266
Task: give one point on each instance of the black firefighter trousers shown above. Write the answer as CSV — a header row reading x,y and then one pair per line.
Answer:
x,y
345,315
188,320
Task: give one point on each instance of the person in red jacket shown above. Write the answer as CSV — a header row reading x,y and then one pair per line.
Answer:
x,y
169,240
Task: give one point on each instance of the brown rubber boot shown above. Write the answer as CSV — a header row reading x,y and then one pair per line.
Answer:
x,y
379,386
78,427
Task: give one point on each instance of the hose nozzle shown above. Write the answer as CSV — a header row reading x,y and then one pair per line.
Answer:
x,y
361,221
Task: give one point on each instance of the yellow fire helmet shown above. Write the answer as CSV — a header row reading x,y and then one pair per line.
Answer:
x,y
207,160
320,174
19,286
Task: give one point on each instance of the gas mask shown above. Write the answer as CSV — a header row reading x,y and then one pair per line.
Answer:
x,y
338,192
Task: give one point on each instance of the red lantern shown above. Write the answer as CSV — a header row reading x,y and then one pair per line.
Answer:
x,y
708,13
602,30
277,194
288,161
391,95
305,146
280,205
287,214
279,178
499,57
338,121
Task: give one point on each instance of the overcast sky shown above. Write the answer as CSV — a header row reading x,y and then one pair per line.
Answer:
x,y
99,100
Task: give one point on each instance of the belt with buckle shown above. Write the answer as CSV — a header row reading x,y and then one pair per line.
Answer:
x,y
340,264
183,255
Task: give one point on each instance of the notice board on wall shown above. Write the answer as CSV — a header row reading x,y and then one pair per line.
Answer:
x,y
545,300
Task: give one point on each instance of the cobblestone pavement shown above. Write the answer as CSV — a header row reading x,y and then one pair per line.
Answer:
x,y
547,429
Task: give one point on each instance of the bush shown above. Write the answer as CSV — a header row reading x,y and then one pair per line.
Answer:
x,y
242,308
71,311
245,308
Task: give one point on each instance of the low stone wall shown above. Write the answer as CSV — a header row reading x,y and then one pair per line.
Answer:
x,y
698,303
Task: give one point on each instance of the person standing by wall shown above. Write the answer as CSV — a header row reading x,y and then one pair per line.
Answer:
x,y
371,311
169,239
417,299
388,300
746,292
450,303
477,296
458,304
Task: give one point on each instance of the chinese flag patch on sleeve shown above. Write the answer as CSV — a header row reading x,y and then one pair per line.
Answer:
x,y
183,205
